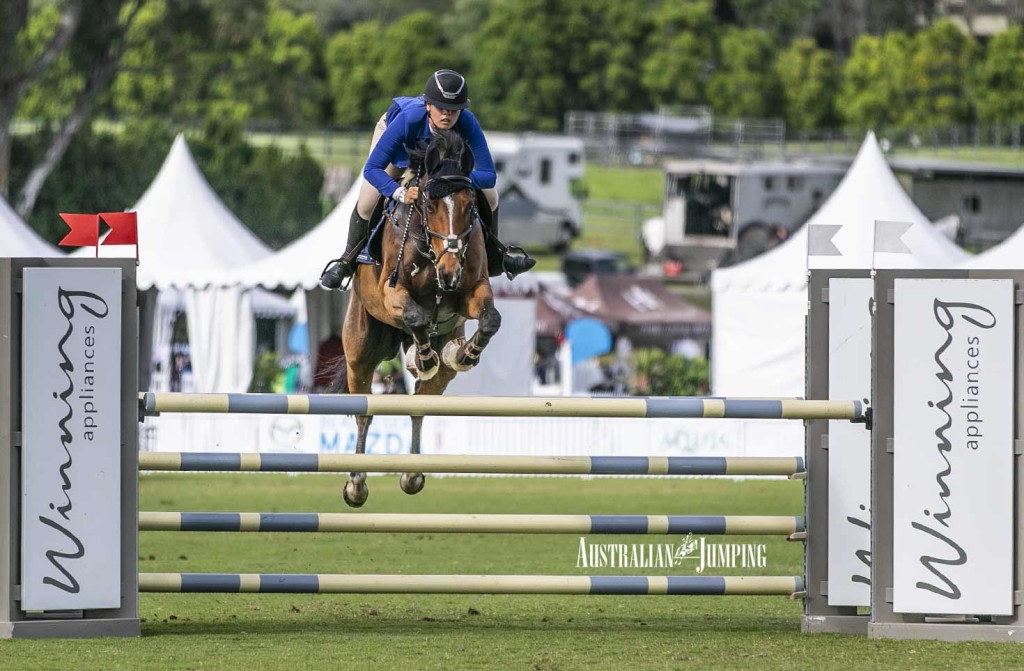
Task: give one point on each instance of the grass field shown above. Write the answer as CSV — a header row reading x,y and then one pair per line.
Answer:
x,y
535,633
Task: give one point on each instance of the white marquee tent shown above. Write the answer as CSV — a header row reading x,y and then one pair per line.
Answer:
x,y
186,234
187,237
759,306
18,239
1009,254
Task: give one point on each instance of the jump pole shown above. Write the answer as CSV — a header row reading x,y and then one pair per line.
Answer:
x,y
224,583
289,462
152,403
457,523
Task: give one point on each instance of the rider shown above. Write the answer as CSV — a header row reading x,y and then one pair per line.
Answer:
x,y
407,122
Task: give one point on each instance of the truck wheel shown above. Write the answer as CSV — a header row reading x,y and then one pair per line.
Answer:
x,y
755,239
566,234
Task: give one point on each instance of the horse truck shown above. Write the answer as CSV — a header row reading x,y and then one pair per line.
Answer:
x,y
540,188
717,213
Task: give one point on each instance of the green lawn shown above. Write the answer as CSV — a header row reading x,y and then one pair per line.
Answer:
x,y
535,633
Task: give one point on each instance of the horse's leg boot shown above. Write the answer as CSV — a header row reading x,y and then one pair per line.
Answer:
x,y
341,269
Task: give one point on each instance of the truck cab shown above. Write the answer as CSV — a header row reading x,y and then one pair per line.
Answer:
x,y
719,212
539,186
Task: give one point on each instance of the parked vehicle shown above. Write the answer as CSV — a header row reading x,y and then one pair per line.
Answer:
x,y
539,184
718,212
985,201
577,265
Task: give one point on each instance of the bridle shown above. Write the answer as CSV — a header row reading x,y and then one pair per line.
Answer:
x,y
456,244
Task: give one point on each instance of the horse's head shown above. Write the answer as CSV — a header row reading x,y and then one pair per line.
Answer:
x,y
448,206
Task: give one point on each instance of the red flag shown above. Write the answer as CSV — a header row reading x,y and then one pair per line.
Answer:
x,y
85,230
124,228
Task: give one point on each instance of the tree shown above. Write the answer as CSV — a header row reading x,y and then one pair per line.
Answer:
x,y
23,60
745,83
996,85
782,19
810,79
189,58
939,66
520,74
351,79
875,93
610,41
415,47
681,52
94,53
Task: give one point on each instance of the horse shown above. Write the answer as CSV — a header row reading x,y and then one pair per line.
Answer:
x,y
432,278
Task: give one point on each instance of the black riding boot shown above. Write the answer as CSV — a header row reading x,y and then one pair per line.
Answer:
x,y
499,259
341,269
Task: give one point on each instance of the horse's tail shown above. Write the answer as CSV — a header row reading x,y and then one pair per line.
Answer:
x,y
338,370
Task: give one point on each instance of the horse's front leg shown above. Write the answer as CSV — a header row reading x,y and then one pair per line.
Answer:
x,y
461,355
412,483
421,358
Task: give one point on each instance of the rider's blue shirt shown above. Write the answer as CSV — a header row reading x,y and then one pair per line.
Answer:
x,y
407,124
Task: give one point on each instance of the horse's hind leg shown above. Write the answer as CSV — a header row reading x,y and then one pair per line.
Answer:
x,y
412,483
362,337
360,374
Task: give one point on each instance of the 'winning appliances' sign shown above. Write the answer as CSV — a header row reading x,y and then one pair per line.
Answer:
x,y
953,447
71,435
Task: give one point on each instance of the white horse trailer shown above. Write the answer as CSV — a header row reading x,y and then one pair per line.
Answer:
x,y
538,184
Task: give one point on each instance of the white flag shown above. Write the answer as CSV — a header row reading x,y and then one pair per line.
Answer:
x,y
888,237
819,240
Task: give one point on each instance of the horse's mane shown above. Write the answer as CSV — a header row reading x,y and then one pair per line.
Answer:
x,y
449,142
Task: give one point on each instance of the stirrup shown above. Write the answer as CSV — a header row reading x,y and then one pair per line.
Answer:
x,y
333,277
507,255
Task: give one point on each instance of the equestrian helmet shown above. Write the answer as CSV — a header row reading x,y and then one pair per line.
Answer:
x,y
447,89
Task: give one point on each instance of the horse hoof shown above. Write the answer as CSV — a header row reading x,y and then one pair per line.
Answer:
x,y
355,495
450,356
412,483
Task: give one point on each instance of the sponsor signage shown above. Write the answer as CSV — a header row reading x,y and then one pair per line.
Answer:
x,y
851,308
71,439
953,447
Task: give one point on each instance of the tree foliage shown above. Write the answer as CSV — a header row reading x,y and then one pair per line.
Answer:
x,y
997,83
351,78
745,85
876,89
809,78
940,65
276,195
681,52
521,69
224,63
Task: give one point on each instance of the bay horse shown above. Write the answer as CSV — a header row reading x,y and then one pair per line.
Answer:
x,y
431,279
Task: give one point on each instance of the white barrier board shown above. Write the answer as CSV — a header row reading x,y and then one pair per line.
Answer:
x,y
849,445
953,446
71,433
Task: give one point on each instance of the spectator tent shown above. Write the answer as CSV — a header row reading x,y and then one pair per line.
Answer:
x,y
17,239
187,236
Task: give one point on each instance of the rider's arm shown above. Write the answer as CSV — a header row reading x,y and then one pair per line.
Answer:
x,y
483,175
387,147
